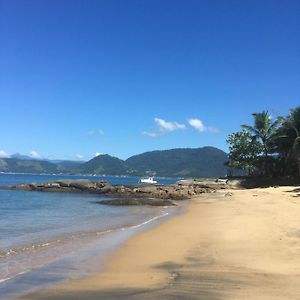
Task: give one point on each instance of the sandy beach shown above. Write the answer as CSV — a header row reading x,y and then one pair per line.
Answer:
x,y
233,244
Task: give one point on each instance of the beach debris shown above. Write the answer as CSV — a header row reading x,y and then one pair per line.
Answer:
x,y
229,194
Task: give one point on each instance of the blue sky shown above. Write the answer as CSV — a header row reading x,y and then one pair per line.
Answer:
x,y
124,77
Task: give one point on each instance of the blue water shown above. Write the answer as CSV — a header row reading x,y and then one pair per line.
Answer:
x,y
38,229
6,179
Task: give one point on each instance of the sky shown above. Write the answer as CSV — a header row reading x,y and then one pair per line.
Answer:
x,y
79,78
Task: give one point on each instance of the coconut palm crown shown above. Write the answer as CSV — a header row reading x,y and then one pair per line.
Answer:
x,y
263,129
290,135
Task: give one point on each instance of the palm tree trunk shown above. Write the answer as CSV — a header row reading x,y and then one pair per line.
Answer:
x,y
266,154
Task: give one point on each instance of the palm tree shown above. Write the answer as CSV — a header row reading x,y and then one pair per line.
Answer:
x,y
290,138
263,131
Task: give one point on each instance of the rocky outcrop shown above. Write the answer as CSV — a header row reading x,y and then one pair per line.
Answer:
x,y
206,183
129,194
137,201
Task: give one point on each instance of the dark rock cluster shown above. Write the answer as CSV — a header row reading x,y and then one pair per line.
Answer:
x,y
125,195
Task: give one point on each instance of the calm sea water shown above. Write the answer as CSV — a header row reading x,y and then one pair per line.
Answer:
x,y
49,237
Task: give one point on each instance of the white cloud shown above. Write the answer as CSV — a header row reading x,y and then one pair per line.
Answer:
x,y
95,132
98,153
79,156
4,154
35,154
199,126
163,127
168,126
151,134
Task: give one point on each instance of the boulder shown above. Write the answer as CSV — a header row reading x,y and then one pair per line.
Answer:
x,y
101,184
81,184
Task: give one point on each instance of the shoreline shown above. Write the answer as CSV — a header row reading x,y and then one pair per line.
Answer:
x,y
93,249
235,244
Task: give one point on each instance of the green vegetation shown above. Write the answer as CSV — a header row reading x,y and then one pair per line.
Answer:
x,y
270,148
26,165
199,162
104,164
244,151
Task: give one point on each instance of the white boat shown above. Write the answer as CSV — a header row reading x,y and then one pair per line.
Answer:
x,y
149,180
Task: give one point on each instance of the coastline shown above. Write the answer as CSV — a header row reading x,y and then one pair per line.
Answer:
x,y
89,256
83,235
233,244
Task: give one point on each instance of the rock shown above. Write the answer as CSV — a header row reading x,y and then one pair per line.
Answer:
x,y
228,194
101,184
106,190
137,201
32,186
51,184
135,195
81,184
176,196
191,193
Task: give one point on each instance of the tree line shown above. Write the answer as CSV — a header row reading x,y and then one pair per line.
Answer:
x,y
268,147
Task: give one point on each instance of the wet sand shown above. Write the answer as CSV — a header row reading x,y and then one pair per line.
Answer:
x,y
234,244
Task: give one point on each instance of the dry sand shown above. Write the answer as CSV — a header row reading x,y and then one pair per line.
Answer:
x,y
238,244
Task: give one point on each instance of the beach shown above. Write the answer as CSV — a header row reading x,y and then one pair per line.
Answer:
x,y
232,244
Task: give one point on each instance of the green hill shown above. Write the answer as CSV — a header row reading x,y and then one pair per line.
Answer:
x,y
104,164
66,166
24,164
199,162
27,166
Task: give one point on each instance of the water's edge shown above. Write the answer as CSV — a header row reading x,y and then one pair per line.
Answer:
x,y
49,238
85,261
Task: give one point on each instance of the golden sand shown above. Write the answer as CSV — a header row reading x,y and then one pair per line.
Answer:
x,y
234,244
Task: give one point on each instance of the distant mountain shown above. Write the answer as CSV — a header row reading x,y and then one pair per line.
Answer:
x,y
23,164
27,166
67,165
104,164
199,162
21,156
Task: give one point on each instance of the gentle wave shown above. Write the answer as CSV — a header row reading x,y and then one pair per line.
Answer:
x,y
8,278
148,221
39,247
44,245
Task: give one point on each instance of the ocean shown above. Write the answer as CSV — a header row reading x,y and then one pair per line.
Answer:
x,y
47,238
